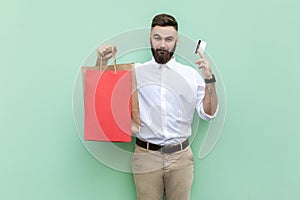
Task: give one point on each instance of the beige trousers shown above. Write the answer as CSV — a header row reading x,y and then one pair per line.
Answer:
x,y
156,173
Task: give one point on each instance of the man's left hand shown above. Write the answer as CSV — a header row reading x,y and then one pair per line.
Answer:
x,y
203,64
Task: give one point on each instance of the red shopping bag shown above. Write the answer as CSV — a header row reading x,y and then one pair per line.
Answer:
x,y
110,103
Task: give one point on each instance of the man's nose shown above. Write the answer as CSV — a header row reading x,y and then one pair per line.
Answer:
x,y
163,44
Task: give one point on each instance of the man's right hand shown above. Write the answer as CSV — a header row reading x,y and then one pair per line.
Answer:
x,y
105,52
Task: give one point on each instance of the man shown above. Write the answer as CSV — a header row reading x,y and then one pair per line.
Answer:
x,y
169,92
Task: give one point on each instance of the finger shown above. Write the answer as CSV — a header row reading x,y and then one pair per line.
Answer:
x,y
102,49
200,53
109,54
106,48
201,65
99,50
200,61
115,49
105,51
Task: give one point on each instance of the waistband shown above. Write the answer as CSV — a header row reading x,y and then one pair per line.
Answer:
x,y
162,149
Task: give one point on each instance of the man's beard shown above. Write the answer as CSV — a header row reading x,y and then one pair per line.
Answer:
x,y
162,56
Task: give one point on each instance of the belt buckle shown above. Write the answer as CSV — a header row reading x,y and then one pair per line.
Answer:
x,y
164,149
171,149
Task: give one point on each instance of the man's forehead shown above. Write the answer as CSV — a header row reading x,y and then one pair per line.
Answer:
x,y
164,31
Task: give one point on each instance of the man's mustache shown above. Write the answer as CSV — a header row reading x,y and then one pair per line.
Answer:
x,y
162,50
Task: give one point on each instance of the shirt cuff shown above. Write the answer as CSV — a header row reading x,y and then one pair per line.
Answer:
x,y
206,116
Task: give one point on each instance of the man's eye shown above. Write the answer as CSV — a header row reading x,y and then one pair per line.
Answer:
x,y
169,39
157,38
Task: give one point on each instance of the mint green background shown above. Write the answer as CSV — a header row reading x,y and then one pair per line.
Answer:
x,y
254,44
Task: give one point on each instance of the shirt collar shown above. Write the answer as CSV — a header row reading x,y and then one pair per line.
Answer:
x,y
170,64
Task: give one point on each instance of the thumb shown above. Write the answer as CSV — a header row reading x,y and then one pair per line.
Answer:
x,y
200,53
115,50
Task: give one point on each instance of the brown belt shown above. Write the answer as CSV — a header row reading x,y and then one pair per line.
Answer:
x,y
162,149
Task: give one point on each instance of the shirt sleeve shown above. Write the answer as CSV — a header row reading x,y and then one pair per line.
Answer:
x,y
200,93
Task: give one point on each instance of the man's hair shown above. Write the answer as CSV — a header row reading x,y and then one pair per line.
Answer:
x,y
164,20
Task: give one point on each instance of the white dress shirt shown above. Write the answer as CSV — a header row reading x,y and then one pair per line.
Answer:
x,y
168,96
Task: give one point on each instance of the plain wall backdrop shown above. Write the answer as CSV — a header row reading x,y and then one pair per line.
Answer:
x,y
255,45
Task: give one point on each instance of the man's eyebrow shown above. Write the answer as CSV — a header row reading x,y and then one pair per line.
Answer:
x,y
168,37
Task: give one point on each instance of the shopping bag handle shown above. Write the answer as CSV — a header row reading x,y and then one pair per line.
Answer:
x,y
114,60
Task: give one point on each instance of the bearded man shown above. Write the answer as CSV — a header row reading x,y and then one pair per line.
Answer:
x,y
169,93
